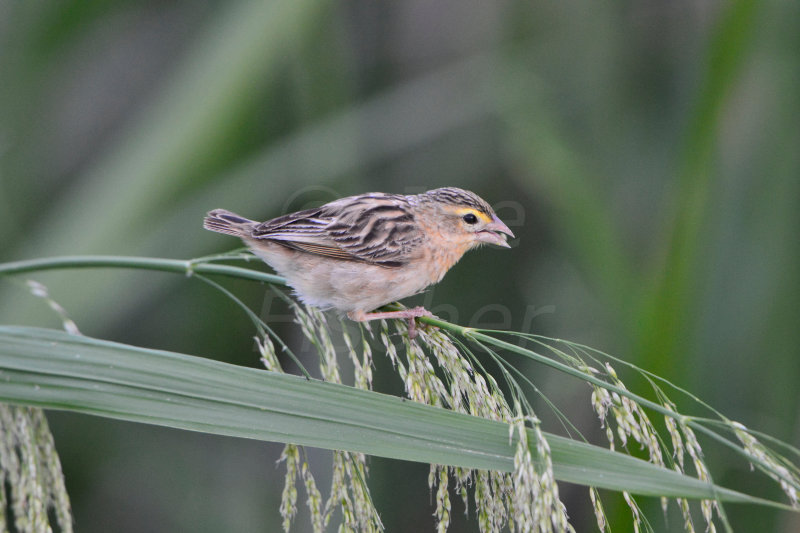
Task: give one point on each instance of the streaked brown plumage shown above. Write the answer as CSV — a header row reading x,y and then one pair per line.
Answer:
x,y
358,253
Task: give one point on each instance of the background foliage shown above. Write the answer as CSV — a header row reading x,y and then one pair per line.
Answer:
x,y
645,154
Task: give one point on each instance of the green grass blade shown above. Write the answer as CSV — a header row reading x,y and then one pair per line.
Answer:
x,y
55,370
670,301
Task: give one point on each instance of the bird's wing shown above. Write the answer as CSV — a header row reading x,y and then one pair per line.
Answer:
x,y
372,228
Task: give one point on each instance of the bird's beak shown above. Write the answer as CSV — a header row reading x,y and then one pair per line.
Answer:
x,y
493,233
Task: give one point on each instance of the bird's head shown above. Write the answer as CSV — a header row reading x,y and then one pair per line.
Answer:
x,y
466,218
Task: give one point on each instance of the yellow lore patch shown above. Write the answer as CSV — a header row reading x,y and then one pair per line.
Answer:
x,y
461,211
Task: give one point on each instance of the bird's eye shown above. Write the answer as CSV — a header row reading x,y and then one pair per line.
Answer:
x,y
470,218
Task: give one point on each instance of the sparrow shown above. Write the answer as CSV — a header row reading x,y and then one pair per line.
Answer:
x,y
359,253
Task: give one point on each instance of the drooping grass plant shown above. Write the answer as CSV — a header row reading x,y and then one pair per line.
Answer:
x,y
441,367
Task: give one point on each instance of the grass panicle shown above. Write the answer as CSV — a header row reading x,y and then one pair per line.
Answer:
x,y
31,470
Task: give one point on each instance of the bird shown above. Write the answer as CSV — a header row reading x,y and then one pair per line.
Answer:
x,y
359,253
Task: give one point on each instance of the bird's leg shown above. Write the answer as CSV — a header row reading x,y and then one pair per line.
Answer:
x,y
409,314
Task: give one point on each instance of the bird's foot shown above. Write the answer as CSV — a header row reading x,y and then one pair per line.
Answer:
x,y
409,314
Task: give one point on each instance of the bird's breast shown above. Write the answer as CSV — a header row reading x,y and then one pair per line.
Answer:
x,y
440,259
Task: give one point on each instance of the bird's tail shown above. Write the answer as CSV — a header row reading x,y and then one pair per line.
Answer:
x,y
223,221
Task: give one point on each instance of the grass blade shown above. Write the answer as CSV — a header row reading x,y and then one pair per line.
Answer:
x,y
55,370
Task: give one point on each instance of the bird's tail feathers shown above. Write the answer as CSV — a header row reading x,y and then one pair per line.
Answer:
x,y
223,221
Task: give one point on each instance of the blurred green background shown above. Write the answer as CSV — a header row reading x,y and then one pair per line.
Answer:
x,y
646,154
